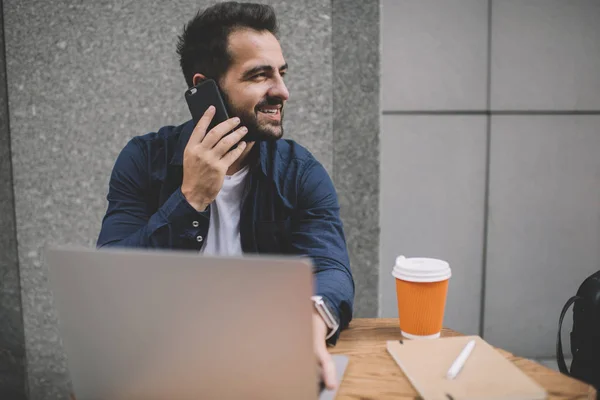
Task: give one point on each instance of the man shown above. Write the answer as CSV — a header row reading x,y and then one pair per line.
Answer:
x,y
185,187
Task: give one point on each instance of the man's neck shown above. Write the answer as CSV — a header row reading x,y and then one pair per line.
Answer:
x,y
244,159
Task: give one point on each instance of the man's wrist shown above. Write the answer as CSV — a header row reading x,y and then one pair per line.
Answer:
x,y
327,314
198,205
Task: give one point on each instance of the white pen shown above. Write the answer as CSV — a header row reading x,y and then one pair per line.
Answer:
x,y
460,360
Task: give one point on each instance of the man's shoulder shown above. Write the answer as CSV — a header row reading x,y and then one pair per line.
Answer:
x,y
158,146
290,151
295,163
166,134
298,175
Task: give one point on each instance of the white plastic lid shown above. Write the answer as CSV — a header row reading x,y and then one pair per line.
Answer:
x,y
421,269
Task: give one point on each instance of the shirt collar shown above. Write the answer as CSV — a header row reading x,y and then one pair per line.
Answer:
x,y
184,137
186,131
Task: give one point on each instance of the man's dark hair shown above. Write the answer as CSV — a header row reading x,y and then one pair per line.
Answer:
x,y
202,47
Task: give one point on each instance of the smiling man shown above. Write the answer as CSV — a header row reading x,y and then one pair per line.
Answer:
x,y
185,187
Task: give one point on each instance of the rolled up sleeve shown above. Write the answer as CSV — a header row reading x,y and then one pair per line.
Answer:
x,y
131,221
317,232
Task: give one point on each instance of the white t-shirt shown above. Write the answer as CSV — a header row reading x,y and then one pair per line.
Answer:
x,y
223,238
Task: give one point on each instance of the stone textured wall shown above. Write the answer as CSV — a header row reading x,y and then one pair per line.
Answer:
x,y
356,116
84,77
12,345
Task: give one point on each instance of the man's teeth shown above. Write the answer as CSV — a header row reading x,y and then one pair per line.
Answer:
x,y
269,111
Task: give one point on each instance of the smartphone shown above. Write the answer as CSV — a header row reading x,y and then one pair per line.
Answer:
x,y
202,96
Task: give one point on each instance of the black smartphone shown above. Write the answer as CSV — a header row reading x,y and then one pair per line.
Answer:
x,y
202,96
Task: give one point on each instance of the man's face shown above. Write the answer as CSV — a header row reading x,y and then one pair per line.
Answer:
x,y
253,86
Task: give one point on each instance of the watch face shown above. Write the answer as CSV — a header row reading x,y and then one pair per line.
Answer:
x,y
326,311
330,313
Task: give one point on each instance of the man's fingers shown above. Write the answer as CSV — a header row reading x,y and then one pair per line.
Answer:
x,y
200,130
228,141
328,367
216,133
234,154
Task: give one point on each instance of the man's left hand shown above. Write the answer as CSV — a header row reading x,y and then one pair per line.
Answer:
x,y
324,359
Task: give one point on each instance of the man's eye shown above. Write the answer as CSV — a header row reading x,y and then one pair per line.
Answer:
x,y
261,75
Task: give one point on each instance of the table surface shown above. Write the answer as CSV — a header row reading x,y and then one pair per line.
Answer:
x,y
373,374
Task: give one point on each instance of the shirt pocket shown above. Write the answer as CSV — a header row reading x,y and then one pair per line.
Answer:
x,y
273,237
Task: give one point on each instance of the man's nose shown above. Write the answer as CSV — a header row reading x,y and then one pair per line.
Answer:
x,y
279,90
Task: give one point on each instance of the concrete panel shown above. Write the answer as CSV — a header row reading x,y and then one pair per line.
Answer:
x,y
432,205
434,54
545,55
543,228
356,114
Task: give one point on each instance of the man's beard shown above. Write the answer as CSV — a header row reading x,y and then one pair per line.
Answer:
x,y
257,132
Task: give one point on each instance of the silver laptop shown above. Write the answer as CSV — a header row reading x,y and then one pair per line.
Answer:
x,y
174,325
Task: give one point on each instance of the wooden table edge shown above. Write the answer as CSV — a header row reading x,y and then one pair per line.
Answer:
x,y
382,329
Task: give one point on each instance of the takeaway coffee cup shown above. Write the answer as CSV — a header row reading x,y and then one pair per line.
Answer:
x,y
421,289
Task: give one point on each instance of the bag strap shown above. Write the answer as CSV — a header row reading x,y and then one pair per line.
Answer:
x,y
562,366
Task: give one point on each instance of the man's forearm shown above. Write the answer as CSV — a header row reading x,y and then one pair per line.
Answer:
x,y
174,220
336,285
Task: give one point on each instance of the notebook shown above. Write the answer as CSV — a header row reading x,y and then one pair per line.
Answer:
x,y
487,374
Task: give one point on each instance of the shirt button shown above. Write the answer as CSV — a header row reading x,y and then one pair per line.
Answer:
x,y
199,238
195,224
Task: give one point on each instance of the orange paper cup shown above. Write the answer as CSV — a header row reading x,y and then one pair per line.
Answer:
x,y
421,289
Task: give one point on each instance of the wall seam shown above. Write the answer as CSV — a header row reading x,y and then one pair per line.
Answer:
x,y
13,199
486,198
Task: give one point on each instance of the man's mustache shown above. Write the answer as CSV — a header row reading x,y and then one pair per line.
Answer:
x,y
270,101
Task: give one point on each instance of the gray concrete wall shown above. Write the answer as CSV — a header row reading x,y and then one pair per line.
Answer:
x,y
356,114
83,78
12,344
433,169
490,143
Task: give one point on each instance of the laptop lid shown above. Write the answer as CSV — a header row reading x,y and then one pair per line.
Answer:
x,y
158,325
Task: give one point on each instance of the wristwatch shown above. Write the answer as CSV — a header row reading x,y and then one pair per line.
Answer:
x,y
326,313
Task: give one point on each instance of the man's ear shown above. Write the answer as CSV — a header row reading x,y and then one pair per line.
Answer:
x,y
198,78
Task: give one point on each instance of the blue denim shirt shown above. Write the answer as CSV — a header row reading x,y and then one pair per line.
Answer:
x,y
291,207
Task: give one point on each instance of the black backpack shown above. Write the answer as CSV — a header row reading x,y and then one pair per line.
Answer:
x,y
585,336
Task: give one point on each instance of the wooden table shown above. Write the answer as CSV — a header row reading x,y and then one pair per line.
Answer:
x,y
373,374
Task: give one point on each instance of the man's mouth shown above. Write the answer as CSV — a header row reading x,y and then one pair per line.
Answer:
x,y
273,112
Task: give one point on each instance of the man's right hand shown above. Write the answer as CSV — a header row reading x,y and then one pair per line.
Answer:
x,y
207,157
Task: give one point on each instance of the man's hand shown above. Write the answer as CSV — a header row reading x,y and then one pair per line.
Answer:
x,y
207,157
324,359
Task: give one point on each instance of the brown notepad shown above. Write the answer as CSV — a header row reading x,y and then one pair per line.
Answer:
x,y
487,374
